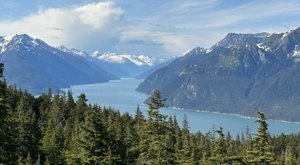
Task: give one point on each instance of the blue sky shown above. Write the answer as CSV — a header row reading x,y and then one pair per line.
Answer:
x,y
150,27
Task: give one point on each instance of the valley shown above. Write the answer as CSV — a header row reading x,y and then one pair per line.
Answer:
x,y
121,95
114,82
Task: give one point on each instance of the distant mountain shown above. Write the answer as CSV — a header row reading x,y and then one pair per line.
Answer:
x,y
73,51
33,65
125,58
240,73
151,70
124,65
234,39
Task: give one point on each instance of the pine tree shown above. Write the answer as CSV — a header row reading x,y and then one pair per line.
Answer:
x,y
139,117
7,137
53,140
115,134
219,153
177,139
94,141
53,144
154,146
262,150
156,102
27,128
184,155
290,156
131,139
44,103
80,109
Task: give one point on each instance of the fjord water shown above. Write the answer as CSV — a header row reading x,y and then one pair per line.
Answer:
x,y
121,95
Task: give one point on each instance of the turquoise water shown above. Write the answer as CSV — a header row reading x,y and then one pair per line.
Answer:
x,y
121,95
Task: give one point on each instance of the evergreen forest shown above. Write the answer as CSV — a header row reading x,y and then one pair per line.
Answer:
x,y
57,129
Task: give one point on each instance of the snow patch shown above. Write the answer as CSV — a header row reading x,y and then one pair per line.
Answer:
x,y
197,50
264,47
284,34
8,37
139,60
72,51
296,53
208,50
35,43
262,56
182,73
5,40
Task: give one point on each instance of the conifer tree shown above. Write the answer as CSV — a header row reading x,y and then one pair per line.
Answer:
x,y
116,134
262,150
7,138
185,153
53,144
139,117
219,153
94,141
131,139
155,103
80,109
290,156
154,146
27,129
44,103
177,139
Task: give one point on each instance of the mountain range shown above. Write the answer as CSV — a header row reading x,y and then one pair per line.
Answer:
x,y
125,65
33,65
240,73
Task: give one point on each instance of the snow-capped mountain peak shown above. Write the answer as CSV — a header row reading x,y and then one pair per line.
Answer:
x,y
15,42
8,37
73,51
197,50
139,60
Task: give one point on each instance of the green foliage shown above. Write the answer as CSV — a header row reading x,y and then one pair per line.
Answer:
x,y
57,130
262,150
155,145
7,131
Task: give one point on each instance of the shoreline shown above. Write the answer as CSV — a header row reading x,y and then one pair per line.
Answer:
x,y
233,114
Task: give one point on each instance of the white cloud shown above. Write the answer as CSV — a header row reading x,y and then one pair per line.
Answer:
x,y
68,26
253,11
179,44
98,14
128,36
180,7
153,27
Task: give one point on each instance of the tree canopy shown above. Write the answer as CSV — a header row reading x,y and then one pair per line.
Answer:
x,y
56,129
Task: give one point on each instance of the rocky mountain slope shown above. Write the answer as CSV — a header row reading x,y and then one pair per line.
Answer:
x,y
33,65
240,73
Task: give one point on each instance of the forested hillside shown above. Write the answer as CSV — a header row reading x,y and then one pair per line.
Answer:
x,y
56,129
239,73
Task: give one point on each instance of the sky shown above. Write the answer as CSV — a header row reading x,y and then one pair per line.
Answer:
x,y
159,28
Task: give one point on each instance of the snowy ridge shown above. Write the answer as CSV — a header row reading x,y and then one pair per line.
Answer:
x,y
140,60
296,53
73,51
197,50
264,47
12,41
4,40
